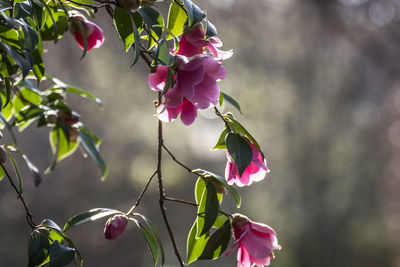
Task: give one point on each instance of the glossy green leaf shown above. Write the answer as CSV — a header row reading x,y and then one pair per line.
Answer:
x,y
26,97
176,19
123,24
217,243
60,143
239,150
163,55
89,216
1,173
34,170
195,14
16,170
221,219
152,17
199,189
136,35
231,189
7,94
195,246
221,140
211,30
22,61
238,128
60,255
8,127
150,240
38,248
55,26
156,234
232,101
91,147
208,210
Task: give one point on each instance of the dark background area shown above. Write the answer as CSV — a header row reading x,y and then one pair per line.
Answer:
x,y
318,82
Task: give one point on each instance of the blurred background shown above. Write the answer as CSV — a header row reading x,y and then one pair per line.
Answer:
x,y
319,86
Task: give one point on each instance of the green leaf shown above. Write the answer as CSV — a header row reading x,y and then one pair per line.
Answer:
x,y
26,97
232,190
208,210
38,248
195,246
151,242
217,243
8,127
195,14
151,17
60,255
82,93
123,24
83,32
156,233
89,143
211,30
239,150
16,170
221,219
35,171
89,216
22,61
55,26
1,173
59,142
221,140
8,92
136,35
176,20
199,189
50,224
238,128
163,55
232,101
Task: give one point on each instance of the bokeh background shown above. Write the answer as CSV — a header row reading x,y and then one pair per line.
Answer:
x,y
318,82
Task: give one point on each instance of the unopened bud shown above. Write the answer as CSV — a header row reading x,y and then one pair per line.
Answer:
x,y
239,220
115,226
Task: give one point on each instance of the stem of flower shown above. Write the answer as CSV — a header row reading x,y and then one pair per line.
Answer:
x,y
161,189
177,161
29,217
142,193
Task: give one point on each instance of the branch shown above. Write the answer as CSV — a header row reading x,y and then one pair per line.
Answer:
x,y
142,193
95,8
29,217
161,189
194,204
177,161
222,117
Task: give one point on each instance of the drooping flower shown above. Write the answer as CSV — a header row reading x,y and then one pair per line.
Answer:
x,y
196,74
94,34
256,242
255,172
115,226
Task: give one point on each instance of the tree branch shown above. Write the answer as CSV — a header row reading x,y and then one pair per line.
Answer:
x,y
222,118
161,189
142,193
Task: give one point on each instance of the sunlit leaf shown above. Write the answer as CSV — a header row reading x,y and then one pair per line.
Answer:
x,y
89,216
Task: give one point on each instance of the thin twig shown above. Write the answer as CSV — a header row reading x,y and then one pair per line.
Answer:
x,y
193,204
142,193
29,217
177,161
161,189
223,119
96,8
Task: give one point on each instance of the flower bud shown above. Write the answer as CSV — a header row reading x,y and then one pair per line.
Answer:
x,y
94,34
115,226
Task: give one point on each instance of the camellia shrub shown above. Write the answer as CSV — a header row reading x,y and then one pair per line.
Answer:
x,y
185,62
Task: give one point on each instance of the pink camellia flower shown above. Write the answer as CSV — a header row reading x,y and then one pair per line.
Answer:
x,y
94,34
255,172
115,226
256,242
196,75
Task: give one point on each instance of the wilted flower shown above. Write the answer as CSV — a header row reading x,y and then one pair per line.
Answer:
x,y
94,33
115,226
255,172
196,75
256,242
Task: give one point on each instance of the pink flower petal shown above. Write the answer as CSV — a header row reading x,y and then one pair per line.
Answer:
x,y
169,114
189,112
214,68
157,79
206,93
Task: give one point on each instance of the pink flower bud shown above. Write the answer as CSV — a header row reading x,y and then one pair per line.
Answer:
x,y
256,242
94,33
115,226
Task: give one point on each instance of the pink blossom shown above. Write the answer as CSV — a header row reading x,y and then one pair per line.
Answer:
x,y
115,226
94,33
255,172
196,75
256,242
